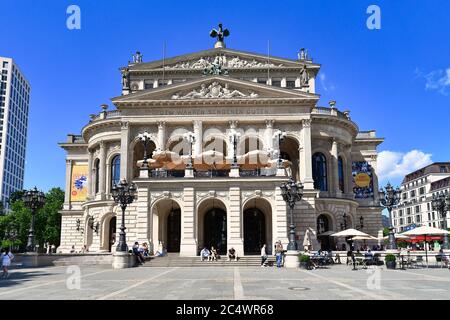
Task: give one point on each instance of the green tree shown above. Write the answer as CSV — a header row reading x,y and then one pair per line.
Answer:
x,y
385,232
47,221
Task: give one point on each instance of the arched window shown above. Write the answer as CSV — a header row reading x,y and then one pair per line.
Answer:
x,y
115,170
341,174
323,224
97,176
319,167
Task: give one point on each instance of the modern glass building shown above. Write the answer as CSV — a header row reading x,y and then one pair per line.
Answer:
x,y
14,106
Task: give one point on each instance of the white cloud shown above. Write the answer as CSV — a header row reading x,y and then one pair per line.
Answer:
x,y
437,80
395,165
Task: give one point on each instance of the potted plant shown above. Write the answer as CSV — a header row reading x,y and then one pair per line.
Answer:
x,y
390,261
305,261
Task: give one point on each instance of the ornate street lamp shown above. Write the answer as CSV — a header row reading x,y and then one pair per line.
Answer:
x,y
361,222
389,198
441,203
344,222
145,139
123,194
280,135
292,192
234,139
190,138
34,200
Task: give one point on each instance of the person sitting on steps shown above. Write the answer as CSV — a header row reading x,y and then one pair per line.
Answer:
x,y
232,254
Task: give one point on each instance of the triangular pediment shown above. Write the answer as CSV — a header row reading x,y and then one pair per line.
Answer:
x,y
215,88
227,58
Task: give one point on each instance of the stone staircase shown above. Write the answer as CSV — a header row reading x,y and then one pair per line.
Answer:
x,y
174,260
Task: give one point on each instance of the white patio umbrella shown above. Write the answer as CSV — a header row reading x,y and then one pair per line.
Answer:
x,y
364,238
426,231
397,236
350,233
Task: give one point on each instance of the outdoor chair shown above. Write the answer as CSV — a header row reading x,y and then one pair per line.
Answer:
x,y
419,259
439,261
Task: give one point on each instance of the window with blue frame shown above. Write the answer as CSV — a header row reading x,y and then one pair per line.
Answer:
x,y
97,175
115,171
319,167
341,174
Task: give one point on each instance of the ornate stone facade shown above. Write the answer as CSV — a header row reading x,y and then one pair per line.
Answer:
x,y
230,196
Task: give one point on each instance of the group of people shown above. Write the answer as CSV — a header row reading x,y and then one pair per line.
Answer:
x,y
209,255
140,251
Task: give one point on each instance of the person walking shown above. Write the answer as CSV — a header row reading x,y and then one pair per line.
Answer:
x,y
6,258
263,255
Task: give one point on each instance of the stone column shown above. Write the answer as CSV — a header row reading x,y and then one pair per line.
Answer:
x,y
68,184
198,134
234,172
189,224
268,134
161,135
280,220
334,174
373,162
348,170
306,154
142,216
91,175
102,175
124,145
235,225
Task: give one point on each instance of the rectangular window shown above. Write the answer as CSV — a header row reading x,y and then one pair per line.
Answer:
x,y
5,64
401,221
262,80
404,196
428,206
276,82
401,213
408,211
418,218
443,169
422,191
429,216
413,193
290,83
417,209
409,220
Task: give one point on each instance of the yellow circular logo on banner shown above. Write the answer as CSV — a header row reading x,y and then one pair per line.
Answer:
x,y
362,180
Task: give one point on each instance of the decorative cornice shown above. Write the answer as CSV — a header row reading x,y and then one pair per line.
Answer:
x,y
214,91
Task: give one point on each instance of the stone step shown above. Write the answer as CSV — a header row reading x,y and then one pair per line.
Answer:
x,y
174,261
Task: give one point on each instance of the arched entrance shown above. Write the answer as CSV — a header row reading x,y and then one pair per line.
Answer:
x,y
166,224
138,154
324,232
254,231
215,229
212,225
257,218
111,233
174,230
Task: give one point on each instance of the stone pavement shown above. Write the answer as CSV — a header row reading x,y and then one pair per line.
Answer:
x,y
225,283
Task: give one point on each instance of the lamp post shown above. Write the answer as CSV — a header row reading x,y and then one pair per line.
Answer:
x,y
123,194
292,192
34,200
234,139
344,221
389,198
280,135
361,222
441,203
145,139
190,138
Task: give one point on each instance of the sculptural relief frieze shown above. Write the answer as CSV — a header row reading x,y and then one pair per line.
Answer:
x,y
223,61
214,91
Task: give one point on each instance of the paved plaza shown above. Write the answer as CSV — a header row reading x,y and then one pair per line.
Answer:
x,y
225,283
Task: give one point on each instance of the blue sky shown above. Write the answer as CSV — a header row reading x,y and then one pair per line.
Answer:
x,y
395,80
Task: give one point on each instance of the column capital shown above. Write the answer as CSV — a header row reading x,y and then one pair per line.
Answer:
x,y
68,161
306,123
269,124
233,124
161,125
197,123
124,125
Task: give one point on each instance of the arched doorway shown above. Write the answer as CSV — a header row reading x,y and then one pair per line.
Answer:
x,y
111,233
257,218
166,225
324,233
138,154
289,151
215,229
174,230
254,231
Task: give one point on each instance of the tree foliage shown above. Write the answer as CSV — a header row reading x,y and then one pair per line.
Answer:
x,y
15,225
